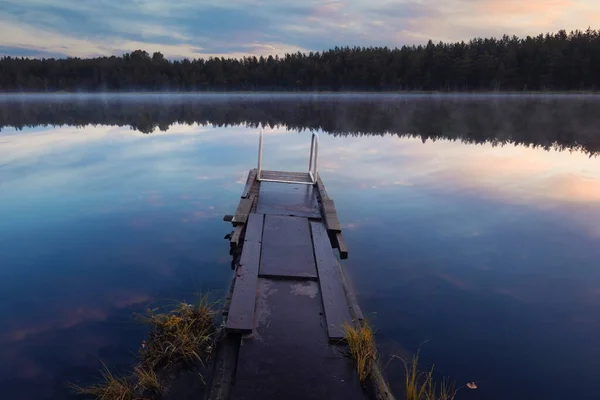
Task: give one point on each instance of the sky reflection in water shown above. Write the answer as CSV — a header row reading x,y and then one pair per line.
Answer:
x,y
487,253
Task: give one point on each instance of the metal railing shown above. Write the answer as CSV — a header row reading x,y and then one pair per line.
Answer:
x,y
313,162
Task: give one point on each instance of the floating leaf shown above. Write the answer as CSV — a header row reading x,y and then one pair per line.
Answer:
x,y
471,385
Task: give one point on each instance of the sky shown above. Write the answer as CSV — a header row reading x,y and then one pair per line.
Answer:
x,y
235,28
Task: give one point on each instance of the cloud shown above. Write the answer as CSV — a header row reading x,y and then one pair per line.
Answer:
x,y
573,188
519,8
529,176
69,317
67,30
512,174
253,27
40,41
104,154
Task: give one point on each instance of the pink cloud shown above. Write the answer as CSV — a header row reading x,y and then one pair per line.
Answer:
x,y
523,8
328,9
69,317
573,188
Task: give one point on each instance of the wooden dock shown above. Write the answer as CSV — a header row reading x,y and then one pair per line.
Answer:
x,y
285,314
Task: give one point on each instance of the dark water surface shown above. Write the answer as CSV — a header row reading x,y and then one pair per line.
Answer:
x,y
473,225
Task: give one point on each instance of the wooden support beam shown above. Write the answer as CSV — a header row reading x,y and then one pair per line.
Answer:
x,y
331,218
355,310
341,245
321,189
240,317
237,235
241,214
250,181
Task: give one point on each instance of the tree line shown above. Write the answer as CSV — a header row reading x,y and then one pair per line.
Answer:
x,y
549,123
552,62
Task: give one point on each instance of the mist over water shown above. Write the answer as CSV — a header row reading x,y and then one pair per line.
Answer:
x,y
472,224
548,121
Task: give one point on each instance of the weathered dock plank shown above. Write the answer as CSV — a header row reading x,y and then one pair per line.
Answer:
x,y
330,214
336,306
288,355
234,241
286,176
291,199
254,191
277,173
240,317
321,189
241,214
355,310
250,181
287,249
254,228
341,245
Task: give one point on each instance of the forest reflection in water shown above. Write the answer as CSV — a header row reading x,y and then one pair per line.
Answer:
x,y
560,122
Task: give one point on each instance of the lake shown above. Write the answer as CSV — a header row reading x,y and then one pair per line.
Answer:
x,y
473,226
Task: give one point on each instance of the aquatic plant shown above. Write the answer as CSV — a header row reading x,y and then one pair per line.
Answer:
x,y
422,386
110,388
362,349
146,380
180,336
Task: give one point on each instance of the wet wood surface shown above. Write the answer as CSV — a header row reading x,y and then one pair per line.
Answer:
x,y
287,249
341,245
241,309
332,221
289,299
250,181
236,237
288,199
288,356
330,214
322,192
286,176
337,311
241,214
254,228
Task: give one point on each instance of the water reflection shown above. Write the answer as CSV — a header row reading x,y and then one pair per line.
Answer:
x,y
489,253
563,122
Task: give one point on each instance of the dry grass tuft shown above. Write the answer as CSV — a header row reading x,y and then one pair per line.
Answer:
x,y
361,347
183,335
146,380
421,386
110,389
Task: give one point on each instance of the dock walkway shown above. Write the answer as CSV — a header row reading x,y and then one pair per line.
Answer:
x,y
289,301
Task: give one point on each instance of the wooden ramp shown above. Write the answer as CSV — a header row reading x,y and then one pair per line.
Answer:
x,y
288,300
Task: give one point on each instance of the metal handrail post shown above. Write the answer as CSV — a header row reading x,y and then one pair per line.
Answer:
x,y
310,159
313,163
316,164
260,147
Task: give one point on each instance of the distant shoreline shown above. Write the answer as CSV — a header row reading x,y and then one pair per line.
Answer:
x,y
290,94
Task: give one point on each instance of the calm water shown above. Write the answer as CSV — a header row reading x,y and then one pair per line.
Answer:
x,y
483,252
